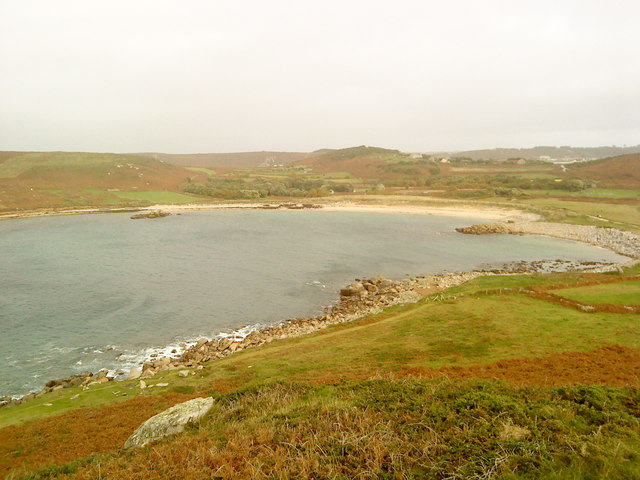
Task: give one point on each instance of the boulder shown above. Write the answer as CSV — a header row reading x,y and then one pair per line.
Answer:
x,y
99,381
169,422
134,373
385,283
149,372
371,288
224,343
161,362
354,290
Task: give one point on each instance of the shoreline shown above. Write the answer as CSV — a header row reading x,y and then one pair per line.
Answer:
x,y
495,214
623,243
371,296
362,298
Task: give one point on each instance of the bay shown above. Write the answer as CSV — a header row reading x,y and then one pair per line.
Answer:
x,y
77,291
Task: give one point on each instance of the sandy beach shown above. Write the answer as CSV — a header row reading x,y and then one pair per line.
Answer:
x,y
495,214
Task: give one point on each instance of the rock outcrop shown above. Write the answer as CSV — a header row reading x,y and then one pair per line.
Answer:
x,y
153,214
485,229
624,243
169,422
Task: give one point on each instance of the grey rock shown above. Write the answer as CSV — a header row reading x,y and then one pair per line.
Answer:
x,y
169,422
134,373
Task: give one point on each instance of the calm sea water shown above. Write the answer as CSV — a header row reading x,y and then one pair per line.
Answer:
x,y
77,291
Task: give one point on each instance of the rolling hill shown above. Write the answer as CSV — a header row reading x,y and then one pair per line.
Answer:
x,y
64,179
564,152
362,161
615,172
229,160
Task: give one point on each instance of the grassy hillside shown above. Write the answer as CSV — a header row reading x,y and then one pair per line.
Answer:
x,y
64,179
229,160
356,161
534,153
481,381
604,192
616,172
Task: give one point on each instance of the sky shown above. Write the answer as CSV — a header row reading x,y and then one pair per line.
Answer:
x,y
187,76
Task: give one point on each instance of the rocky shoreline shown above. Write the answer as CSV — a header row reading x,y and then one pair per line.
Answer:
x,y
362,298
368,297
623,243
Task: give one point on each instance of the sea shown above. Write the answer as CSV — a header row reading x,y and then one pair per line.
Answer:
x,y
86,292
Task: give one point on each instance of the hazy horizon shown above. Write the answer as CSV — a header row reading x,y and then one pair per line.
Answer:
x,y
418,76
327,148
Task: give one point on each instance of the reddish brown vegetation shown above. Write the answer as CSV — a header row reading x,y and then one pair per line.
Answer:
x,y
365,166
77,434
589,280
32,188
541,292
83,432
6,155
155,176
615,366
582,306
616,172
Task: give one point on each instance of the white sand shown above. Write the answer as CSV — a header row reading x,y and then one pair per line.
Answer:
x,y
451,211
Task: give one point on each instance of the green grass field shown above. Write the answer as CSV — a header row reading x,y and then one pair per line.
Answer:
x,y
603,193
159,197
623,293
208,171
98,197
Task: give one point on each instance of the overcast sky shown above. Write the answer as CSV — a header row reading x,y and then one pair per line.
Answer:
x,y
222,76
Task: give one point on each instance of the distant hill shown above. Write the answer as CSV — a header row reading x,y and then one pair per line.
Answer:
x,y
559,153
43,179
7,155
617,172
362,161
230,160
